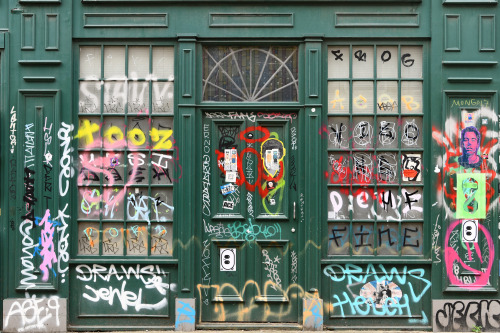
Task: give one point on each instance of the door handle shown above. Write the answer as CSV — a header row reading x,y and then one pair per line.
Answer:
x,y
294,210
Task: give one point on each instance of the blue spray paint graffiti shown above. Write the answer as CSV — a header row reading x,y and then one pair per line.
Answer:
x,y
352,277
185,314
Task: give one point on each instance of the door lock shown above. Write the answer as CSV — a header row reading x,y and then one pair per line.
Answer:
x,y
294,210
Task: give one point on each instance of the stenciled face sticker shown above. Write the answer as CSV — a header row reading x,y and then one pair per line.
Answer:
x,y
272,152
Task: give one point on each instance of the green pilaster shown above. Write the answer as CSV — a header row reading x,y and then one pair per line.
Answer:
x,y
313,115
186,51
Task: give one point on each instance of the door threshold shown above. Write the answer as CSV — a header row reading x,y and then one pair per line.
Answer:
x,y
249,326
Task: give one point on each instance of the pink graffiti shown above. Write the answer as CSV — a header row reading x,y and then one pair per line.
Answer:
x,y
47,239
450,256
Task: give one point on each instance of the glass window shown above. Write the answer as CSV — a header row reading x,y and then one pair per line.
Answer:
x,y
375,150
127,158
250,74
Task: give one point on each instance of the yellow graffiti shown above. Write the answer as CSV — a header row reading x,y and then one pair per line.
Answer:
x,y
410,103
136,137
161,136
361,102
385,98
337,100
111,132
86,131
243,313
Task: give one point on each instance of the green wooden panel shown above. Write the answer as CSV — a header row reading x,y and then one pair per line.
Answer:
x,y
487,33
142,20
452,32
376,20
103,295
271,20
251,20
38,112
360,295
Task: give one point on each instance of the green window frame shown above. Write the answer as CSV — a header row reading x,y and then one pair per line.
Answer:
x,y
127,158
375,151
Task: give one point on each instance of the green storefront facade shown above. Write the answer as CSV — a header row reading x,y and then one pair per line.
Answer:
x,y
202,164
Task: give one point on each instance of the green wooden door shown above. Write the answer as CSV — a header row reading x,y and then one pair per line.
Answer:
x,y
249,186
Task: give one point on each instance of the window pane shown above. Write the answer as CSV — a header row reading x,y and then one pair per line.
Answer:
x,y
338,62
362,240
163,63
412,238
88,238
161,239
138,205
362,62
112,204
338,239
138,62
115,97
90,97
90,62
413,203
138,97
362,132
362,168
163,97
387,97
89,132
387,204
137,239
411,166
387,132
387,168
411,132
411,96
338,132
363,200
387,62
113,133
339,171
387,234
112,239
114,62
338,204
90,203
362,96
338,96
411,62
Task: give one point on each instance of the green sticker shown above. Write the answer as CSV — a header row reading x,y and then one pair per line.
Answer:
x,y
471,196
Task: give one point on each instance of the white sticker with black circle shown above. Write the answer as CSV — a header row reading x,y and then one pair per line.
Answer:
x,y
228,260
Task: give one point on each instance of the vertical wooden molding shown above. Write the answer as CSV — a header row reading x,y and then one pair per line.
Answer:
x,y
52,32
313,189
452,33
486,33
28,32
187,73
314,74
186,219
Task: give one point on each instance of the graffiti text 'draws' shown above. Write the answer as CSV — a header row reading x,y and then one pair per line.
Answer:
x,y
451,257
